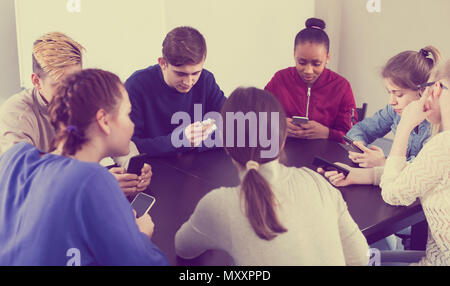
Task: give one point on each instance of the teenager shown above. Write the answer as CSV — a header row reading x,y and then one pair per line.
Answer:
x,y
177,84
63,208
311,90
268,219
401,75
25,117
427,177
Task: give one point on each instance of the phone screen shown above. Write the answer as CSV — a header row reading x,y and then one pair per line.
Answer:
x,y
142,204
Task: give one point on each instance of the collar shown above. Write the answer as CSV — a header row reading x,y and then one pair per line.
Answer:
x,y
41,102
270,171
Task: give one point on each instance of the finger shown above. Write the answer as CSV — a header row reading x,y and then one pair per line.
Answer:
x,y
329,174
320,170
128,184
361,146
117,170
375,148
128,177
134,212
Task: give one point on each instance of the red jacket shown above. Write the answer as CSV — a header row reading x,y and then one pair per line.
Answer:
x,y
331,102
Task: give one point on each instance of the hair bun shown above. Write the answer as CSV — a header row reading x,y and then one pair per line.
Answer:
x,y
315,23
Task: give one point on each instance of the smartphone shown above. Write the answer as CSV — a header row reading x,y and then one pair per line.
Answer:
x,y
136,164
328,166
142,203
350,145
298,120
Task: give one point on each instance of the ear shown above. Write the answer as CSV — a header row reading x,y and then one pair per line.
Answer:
x,y
328,58
36,81
103,121
162,63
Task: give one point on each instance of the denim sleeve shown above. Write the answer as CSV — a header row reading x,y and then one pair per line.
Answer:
x,y
373,127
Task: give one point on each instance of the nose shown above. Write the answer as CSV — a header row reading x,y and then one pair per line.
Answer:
x,y
188,80
392,99
308,69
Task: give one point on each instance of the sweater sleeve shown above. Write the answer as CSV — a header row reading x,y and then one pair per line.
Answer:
x,y
374,127
402,183
197,234
343,121
354,243
108,225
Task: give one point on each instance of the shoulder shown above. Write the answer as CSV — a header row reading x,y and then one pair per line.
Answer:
x,y
143,76
21,103
16,151
439,144
207,77
334,77
289,72
215,201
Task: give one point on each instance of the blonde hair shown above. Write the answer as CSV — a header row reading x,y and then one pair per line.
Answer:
x,y
53,52
411,68
440,72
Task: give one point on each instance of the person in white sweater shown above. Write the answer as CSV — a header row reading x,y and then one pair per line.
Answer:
x,y
428,177
278,215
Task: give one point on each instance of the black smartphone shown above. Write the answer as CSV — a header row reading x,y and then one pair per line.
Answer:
x,y
299,120
142,203
350,145
136,164
328,166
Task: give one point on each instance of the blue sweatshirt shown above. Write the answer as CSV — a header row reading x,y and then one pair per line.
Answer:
x,y
154,103
56,210
385,121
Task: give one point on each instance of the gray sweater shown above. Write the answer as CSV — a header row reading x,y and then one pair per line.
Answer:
x,y
320,228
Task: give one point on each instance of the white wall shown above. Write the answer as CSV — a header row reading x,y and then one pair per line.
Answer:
x,y
368,40
9,69
119,36
248,40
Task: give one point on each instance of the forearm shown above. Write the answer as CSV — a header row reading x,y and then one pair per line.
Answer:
x,y
400,144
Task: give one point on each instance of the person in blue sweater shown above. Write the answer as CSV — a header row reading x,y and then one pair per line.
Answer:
x,y
402,74
178,84
63,208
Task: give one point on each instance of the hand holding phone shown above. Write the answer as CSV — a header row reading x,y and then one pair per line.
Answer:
x,y
142,203
328,166
136,164
299,120
350,145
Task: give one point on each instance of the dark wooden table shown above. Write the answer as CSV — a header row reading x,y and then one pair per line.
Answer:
x,y
179,182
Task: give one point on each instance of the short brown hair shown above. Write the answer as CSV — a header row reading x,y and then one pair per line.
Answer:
x,y
76,103
53,52
184,46
408,69
259,198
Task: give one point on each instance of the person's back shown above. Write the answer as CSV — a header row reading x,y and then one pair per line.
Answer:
x,y
320,231
277,215
60,211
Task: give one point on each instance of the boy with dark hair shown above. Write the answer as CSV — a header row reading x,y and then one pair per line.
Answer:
x,y
175,84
